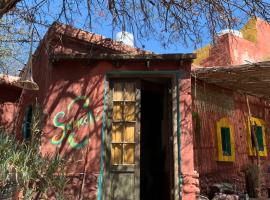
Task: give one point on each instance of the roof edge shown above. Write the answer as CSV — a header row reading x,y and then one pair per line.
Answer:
x,y
113,57
9,80
230,68
90,37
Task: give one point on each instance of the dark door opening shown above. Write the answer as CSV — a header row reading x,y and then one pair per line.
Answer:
x,y
156,168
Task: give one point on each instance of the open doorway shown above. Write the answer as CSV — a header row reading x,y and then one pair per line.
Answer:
x,y
156,160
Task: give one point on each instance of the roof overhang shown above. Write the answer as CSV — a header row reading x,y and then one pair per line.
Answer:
x,y
8,81
252,79
124,57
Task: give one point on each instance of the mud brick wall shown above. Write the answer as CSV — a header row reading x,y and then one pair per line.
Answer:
x,y
211,103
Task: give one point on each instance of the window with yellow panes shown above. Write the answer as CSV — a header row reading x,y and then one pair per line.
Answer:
x,y
123,123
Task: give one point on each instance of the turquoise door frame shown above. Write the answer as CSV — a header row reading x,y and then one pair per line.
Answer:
x,y
173,74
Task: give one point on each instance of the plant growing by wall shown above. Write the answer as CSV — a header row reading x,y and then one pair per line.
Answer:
x,y
252,180
23,169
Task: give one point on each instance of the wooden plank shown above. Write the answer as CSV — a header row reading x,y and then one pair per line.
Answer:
x,y
123,144
176,190
137,140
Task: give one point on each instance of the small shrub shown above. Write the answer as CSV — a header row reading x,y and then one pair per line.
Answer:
x,y
22,163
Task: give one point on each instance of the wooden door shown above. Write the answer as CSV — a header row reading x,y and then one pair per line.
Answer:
x,y
123,142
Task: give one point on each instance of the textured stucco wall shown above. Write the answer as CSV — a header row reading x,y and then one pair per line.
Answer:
x,y
71,95
212,103
229,49
8,106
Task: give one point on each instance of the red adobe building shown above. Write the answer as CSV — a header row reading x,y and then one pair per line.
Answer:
x,y
137,124
9,99
230,92
120,115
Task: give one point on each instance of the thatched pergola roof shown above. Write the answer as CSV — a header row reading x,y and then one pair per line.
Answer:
x,y
253,78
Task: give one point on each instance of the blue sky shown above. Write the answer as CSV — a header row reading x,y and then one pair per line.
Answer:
x,y
154,45
102,24
150,44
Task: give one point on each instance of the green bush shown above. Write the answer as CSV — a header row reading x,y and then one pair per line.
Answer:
x,y
22,163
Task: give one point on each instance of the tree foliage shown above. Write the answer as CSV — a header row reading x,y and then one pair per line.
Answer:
x,y
7,5
183,20
168,21
13,41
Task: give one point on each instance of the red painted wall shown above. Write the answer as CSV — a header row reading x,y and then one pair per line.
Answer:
x,y
213,103
8,106
233,50
71,93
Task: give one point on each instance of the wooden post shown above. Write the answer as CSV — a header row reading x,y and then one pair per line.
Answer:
x,y
254,137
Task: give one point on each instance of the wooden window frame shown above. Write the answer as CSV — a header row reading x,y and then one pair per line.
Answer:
x,y
123,122
225,123
252,149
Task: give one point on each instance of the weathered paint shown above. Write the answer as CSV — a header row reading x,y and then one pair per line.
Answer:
x,y
100,178
213,103
224,122
249,30
190,179
72,94
233,50
8,106
7,115
74,124
258,122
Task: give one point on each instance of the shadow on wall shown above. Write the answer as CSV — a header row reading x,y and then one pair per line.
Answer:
x,y
72,127
7,116
9,98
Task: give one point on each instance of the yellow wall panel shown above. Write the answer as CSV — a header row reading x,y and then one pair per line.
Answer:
x,y
252,150
224,122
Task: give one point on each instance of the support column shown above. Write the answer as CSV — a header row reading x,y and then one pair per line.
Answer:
x,y
189,180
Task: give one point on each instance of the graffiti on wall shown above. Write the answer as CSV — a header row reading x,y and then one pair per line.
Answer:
x,y
74,126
